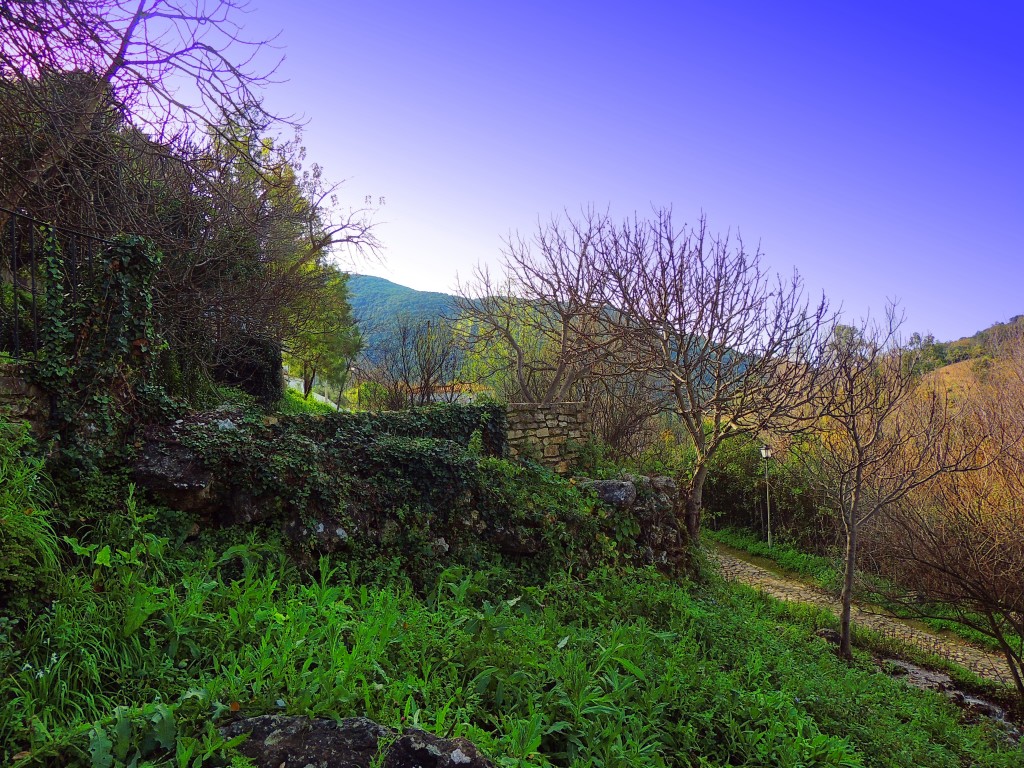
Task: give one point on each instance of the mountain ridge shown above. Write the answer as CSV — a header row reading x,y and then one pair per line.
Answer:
x,y
377,301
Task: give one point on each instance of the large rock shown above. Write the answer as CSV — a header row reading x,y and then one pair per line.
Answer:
x,y
661,540
276,741
617,494
175,475
652,502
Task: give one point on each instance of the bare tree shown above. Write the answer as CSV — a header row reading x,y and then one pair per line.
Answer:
x,y
133,57
625,412
542,326
693,319
418,363
958,543
735,351
881,435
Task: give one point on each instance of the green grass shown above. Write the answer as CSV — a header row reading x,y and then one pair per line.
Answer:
x,y
825,572
147,643
293,403
28,545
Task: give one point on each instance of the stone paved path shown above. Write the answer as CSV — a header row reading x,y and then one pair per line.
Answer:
x,y
980,662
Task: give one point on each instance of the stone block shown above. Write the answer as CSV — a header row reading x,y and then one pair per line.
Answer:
x,y
12,385
17,409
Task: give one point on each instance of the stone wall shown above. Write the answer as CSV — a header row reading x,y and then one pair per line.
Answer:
x,y
546,433
21,400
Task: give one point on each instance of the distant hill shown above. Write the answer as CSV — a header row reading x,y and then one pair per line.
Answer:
x,y
377,302
984,344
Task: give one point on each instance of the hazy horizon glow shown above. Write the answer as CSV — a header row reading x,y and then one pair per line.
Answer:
x,y
876,148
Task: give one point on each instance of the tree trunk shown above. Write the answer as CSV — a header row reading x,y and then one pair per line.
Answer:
x,y
1012,660
845,645
692,502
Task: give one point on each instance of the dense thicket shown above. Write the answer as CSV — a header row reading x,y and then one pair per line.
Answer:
x,y
95,138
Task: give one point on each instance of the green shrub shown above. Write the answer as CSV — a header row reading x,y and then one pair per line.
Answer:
x,y
593,459
293,403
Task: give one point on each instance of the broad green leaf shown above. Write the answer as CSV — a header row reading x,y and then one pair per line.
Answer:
x,y
103,557
99,749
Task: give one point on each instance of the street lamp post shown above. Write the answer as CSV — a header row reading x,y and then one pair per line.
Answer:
x,y
766,453
355,369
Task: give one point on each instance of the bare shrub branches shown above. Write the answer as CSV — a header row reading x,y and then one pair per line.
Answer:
x,y
547,315
959,541
420,362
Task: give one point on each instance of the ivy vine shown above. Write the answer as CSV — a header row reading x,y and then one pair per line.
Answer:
x,y
98,342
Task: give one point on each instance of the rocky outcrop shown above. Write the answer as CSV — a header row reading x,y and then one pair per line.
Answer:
x,y
276,741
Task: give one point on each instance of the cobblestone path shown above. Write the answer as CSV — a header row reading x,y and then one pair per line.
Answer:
x,y
979,662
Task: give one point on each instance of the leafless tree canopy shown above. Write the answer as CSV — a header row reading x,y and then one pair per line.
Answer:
x,y
169,66
881,434
694,319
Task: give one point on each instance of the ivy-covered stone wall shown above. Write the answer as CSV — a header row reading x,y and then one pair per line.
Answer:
x,y
426,489
546,433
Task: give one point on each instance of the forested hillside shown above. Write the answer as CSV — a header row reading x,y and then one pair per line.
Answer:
x,y
376,303
985,343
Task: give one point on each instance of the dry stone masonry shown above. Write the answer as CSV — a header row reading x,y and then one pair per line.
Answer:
x,y
19,399
546,433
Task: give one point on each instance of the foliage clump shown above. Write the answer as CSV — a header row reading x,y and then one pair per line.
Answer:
x,y
28,546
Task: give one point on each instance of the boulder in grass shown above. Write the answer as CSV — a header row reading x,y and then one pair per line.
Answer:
x,y
277,741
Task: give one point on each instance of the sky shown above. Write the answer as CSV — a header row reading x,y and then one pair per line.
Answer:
x,y
876,147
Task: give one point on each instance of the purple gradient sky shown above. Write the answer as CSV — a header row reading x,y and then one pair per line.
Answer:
x,y
876,147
